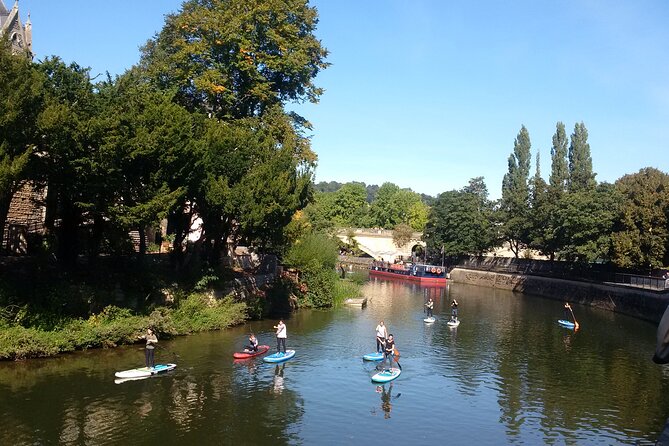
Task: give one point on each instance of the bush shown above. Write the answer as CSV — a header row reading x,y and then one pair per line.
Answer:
x,y
115,326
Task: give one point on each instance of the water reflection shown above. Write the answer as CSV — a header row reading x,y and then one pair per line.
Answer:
x,y
509,372
387,398
277,382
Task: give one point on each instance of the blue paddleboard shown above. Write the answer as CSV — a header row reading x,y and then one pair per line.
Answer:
x,y
386,375
373,356
566,324
279,357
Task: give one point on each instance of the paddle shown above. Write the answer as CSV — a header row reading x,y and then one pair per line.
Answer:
x,y
573,317
396,357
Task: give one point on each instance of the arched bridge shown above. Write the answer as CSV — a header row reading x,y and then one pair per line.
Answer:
x,y
378,243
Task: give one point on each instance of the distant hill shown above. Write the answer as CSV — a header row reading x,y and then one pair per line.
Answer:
x,y
372,189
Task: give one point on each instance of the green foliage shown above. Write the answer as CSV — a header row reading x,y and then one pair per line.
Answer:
x,y
115,326
21,96
559,177
345,289
237,58
461,222
581,176
402,235
515,194
586,220
314,252
642,238
315,257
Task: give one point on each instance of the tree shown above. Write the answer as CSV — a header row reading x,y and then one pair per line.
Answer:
x,y
238,58
515,194
559,177
148,147
21,96
349,204
68,146
540,210
581,176
402,235
641,239
586,220
392,206
462,222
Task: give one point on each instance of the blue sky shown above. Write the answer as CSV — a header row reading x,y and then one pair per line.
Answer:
x,y
430,93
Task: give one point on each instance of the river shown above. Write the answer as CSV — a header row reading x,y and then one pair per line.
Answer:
x,y
507,375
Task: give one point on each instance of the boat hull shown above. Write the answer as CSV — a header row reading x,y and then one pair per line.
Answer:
x,y
422,280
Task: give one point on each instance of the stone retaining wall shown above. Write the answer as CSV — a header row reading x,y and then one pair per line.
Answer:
x,y
644,304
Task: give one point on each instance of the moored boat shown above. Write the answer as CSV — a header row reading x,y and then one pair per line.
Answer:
x,y
413,272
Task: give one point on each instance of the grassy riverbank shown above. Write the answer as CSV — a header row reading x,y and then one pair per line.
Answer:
x,y
116,326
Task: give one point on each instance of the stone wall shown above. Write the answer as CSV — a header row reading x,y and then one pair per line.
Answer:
x,y
644,304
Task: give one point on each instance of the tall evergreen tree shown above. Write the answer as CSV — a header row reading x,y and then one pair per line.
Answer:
x,y
539,205
559,176
515,194
581,176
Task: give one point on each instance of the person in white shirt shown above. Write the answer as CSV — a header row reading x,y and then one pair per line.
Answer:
x,y
381,335
281,335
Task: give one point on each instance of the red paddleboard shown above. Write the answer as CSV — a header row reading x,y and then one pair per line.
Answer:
x,y
262,349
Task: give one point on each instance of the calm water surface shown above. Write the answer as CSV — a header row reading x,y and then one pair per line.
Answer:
x,y
507,375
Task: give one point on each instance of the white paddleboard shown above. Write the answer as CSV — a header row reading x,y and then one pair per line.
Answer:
x,y
453,323
144,372
429,320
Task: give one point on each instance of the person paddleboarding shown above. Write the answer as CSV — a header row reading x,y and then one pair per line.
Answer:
x,y
281,336
381,335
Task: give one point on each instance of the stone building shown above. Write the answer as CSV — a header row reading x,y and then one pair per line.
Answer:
x,y
21,36
26,212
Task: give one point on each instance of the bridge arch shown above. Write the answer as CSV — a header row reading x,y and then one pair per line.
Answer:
x,y
378,243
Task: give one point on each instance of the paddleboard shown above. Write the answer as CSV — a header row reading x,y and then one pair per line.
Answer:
x,y
373,356
144,372
453,323
386,375
262,349
566,324
429,320
279,357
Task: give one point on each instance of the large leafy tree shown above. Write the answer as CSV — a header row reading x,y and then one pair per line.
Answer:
x,y
462,222
238,58
642,237
21,96
394,206
257,175
581,176
149,153
515,194
586,219
68,146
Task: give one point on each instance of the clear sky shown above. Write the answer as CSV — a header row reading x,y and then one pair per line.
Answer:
x,y
430,93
